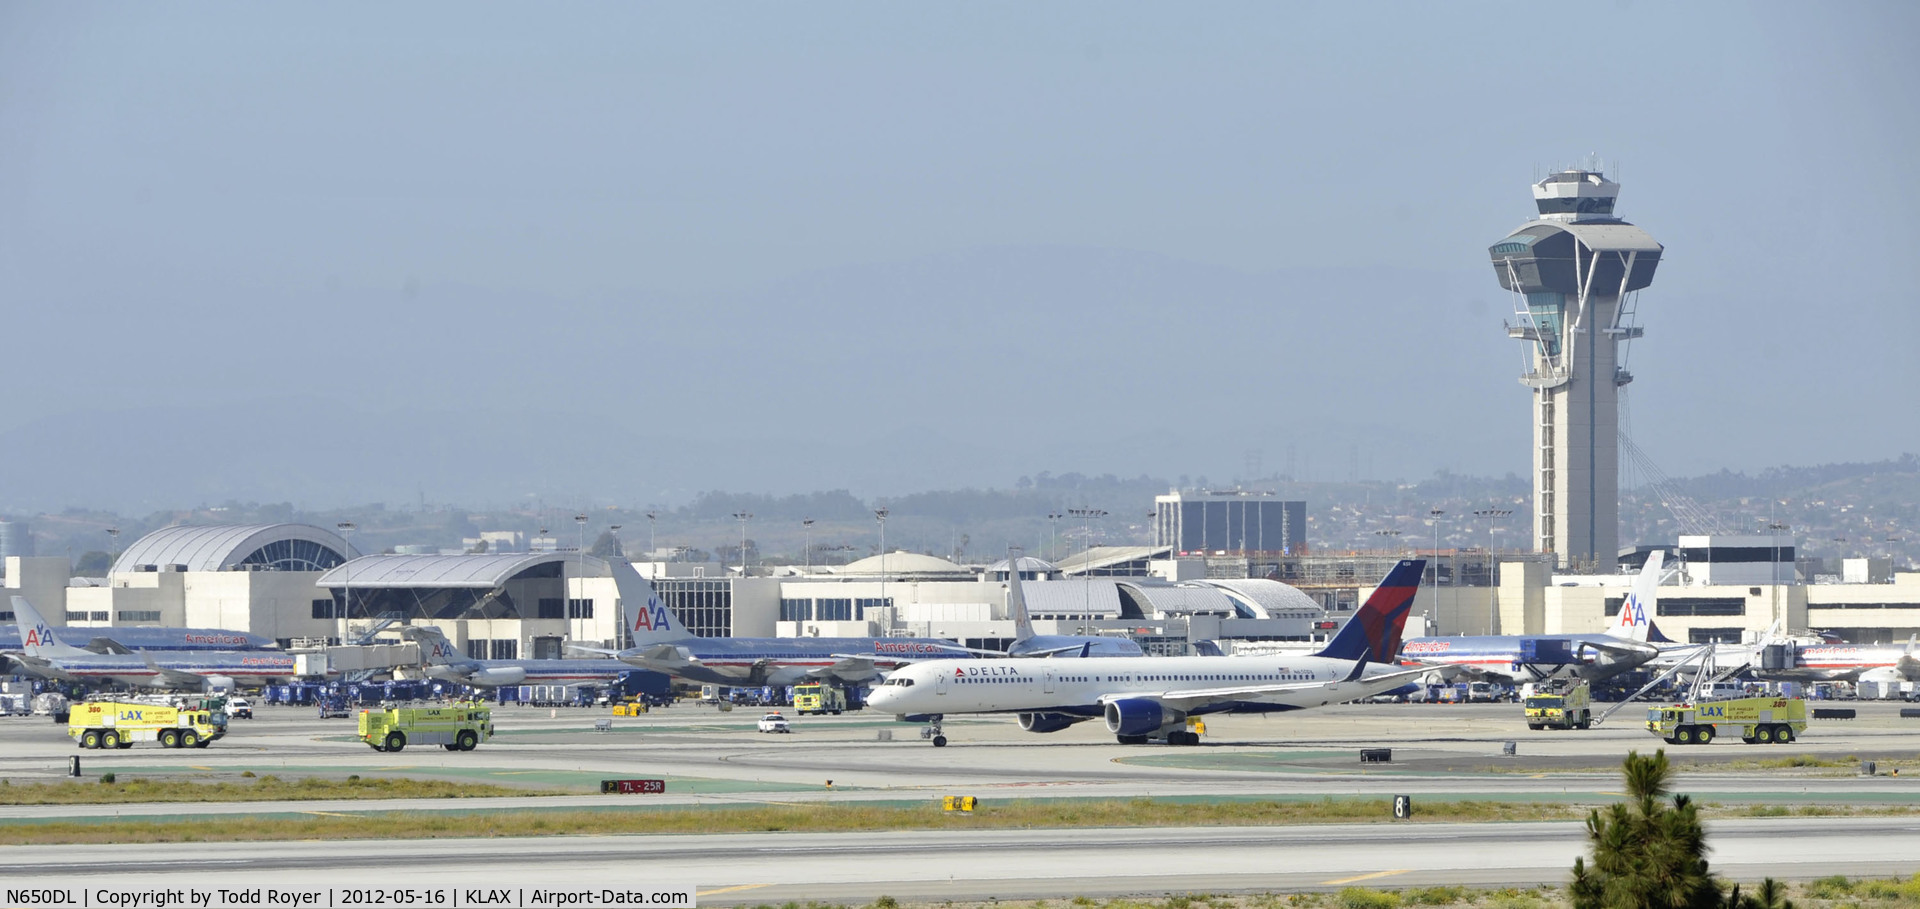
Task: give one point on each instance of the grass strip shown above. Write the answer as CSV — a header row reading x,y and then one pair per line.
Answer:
x,y
267,788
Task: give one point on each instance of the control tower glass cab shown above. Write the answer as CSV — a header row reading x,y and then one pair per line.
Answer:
x,y
1573,272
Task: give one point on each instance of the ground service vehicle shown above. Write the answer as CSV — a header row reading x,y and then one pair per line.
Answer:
x,y
239,708
1760,720
460,727
114,724
774,722
817,697
1571,708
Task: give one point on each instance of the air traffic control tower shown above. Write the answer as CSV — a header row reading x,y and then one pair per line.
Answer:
x,y
1573,273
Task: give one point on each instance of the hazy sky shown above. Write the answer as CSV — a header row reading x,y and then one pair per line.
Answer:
x,y
337,253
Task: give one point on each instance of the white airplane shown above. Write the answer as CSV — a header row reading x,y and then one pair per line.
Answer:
x,y
1150,698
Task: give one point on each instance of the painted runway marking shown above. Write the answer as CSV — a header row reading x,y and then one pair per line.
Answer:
x,y
731,889
332,814
1363,877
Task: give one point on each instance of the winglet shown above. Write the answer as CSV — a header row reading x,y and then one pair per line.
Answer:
x,y
648,620
1373,634
1359,666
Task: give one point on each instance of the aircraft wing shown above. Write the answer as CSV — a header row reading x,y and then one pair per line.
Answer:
x,y
107,645
588,648
38,666
851,667
1477,673
175,678
1352,687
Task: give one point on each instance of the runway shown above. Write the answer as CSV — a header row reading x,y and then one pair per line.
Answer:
x,y
712,759
983,865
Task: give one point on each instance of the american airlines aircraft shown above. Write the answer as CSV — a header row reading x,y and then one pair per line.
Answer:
x,y
46,655
1151,698
662,644
129,638
441,660
1625,645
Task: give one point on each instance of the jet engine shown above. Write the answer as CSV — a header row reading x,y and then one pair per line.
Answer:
x,y
1140,716
1048,722
496,676
216,683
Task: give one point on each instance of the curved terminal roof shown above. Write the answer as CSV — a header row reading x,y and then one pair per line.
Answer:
x,y
1028,565
899,563
1274,598
235,547
434,571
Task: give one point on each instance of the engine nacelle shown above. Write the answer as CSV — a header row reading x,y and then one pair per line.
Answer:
x,y
1140,716
1048,722
216,684
497,676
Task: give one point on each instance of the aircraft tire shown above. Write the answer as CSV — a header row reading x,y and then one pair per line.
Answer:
x,y
90,739
396,741
939,741
466,740
1131,739
1783,734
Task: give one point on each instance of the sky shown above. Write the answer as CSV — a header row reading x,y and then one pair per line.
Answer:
x,y
338,253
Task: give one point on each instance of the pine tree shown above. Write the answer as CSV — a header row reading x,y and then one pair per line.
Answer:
x,y
1647,854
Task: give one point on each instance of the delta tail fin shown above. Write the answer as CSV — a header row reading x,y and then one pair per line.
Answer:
x,y
1373,634
37,638
1642,602
648,621
1017,599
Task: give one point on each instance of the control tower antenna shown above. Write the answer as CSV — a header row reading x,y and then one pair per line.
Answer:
x,y
1573,272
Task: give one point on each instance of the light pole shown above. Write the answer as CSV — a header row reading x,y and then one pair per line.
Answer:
x,y
346,577
113,534
1436,514
615,530
880,516
650,518
580,555
1053,535
806,543
1493,516
1389,535
1087,516
743,517
1776,527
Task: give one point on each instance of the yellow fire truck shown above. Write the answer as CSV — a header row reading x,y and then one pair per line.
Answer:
x,y
816,697
113,724
1760,720
1569,708
461,727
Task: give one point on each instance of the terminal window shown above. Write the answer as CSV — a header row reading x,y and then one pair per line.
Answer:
x,y
579,608
507,649
323,609
139,615
550,608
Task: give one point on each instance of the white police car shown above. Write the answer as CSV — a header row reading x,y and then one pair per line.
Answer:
x,y
774,722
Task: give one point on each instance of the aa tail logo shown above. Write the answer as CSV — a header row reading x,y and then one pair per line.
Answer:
x,y
653,617
40,636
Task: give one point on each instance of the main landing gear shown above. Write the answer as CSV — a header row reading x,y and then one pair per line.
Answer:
x,y
933,731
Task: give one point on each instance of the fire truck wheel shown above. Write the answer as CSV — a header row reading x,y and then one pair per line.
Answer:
x,y
396,741
189,739
466,740
1783,734
169,738
90,739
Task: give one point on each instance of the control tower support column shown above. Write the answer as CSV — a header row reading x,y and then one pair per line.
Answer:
x,y
1574,272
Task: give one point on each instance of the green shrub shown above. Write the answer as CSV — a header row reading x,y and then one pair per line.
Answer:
x,y
106,777
247,773
1434,896
886,902
1367,898
1830,888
